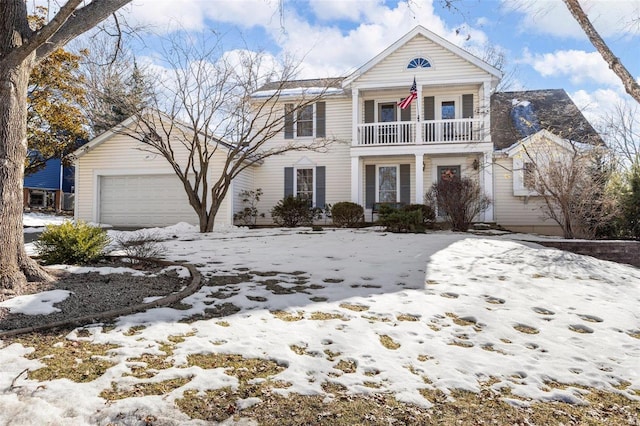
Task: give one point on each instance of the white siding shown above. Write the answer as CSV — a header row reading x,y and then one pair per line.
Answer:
x,y
445,66
518,213
120,155
270,175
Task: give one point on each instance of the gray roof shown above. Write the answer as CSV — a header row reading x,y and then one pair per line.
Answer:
x,y
516,115
301,84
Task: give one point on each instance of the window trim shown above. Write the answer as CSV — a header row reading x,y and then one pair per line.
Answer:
x,y
419,62
457,104
519,189
295,181
397,167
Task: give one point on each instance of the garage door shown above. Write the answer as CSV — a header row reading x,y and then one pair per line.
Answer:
x,y
144,200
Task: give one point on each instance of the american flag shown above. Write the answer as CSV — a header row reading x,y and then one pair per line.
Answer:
x,y
413,93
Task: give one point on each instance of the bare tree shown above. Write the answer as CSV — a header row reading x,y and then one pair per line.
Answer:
x,y
21,48
203,105
631,86
114,83
571,180
621,127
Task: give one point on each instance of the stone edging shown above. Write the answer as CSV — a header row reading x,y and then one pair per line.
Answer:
x,y
196,283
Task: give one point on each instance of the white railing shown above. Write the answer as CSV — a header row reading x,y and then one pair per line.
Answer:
x,y
433,131
394,133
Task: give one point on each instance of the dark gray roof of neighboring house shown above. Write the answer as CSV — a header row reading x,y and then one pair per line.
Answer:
x,y
516,115
301,84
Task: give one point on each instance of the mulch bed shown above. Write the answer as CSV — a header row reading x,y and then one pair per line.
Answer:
x,y
93,293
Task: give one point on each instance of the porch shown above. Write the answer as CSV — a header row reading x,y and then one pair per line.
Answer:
x,y
421,132
404,177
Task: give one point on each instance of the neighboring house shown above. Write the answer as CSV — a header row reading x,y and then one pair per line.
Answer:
x,y
50,188
120,184
456,125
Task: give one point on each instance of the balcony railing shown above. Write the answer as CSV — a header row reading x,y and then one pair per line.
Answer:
x,y
432,131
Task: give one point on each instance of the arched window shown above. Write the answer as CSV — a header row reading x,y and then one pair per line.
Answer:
x,y
418,63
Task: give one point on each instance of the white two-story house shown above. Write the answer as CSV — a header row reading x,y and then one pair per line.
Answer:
x,y
382,152
379,152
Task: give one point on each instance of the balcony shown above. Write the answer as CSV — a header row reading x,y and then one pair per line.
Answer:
x,y
423,132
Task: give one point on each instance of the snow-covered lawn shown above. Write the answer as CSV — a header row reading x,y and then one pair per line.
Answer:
x,y
369,310
35,222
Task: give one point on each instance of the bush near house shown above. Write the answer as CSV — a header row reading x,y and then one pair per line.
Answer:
x,y
409,218
347,214
292,211
460,199
249,214
71,243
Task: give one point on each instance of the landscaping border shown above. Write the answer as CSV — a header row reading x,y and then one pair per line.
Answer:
x,y
616,251
196,283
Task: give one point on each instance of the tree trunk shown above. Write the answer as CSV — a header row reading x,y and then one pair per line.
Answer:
x,y
15,266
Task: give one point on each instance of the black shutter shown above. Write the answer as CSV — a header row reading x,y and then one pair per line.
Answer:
x,y
288,121
321,108
370,186
405,114
288,181
405,183
321,172
369,111
467,106
429,108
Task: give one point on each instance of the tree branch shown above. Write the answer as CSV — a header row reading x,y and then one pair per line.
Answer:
x,y
630,84
79,21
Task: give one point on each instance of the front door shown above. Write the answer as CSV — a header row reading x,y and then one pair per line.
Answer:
x,y
447,173
387,114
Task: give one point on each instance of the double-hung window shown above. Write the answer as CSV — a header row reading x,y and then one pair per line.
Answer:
x,y
304,184
529,175
306,121
387,184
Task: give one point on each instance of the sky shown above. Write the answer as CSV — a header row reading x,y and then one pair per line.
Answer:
x,y
542,43
445,310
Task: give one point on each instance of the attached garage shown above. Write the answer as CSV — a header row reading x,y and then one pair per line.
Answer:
x,y
120,184
143,200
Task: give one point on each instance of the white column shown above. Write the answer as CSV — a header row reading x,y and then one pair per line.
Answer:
x,y
487,179
356,174
486,106
419,179
355,114
419,118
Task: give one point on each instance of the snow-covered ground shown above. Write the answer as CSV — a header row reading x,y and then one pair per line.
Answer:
x,y
35,222
458,309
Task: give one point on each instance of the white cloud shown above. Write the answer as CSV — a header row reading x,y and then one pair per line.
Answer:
x,y
168,15
594,105
330,51
579,66
610,17
352,10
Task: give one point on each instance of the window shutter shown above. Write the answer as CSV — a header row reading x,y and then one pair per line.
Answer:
x,y
321,108
429,108
405,183
320,186
467,106
369,111
405,114
288,121
370,186
288,181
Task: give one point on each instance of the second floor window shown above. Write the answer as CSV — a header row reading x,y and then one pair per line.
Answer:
x,y
306,121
